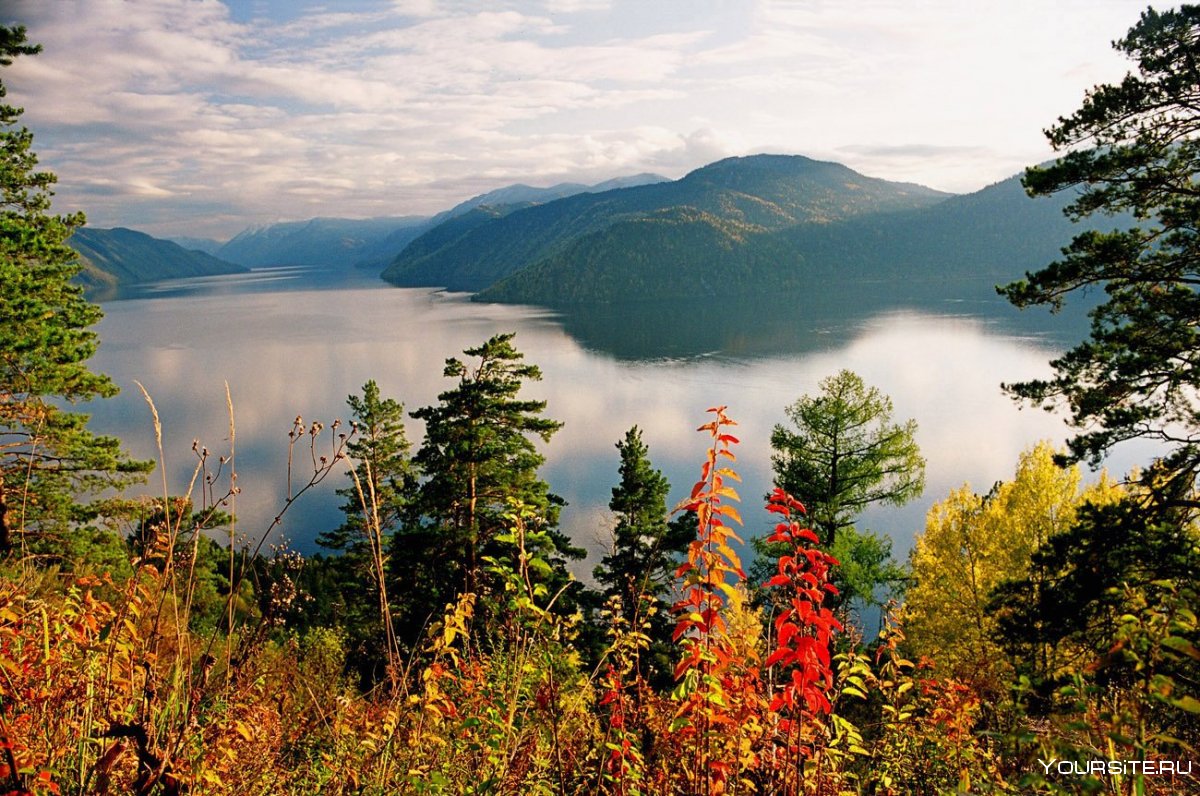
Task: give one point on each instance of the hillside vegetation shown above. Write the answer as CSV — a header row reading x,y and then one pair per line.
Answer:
x,y
754,194
122,256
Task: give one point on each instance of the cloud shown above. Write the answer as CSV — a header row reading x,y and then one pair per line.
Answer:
x,y
577,6
408,106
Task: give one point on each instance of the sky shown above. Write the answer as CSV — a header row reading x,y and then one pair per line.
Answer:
x,y
202,118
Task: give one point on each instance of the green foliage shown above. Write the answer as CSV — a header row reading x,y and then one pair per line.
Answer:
x,y
639,568
478,455
867,575
47,455
1067,611
843,453
1133,149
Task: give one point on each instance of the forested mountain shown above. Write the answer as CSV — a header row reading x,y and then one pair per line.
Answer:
x,y
320,241
981,238
122,256
997,232
733,198
375,242
525,195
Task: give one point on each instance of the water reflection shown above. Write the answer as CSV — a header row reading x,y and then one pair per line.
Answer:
x,y
789,325
290,346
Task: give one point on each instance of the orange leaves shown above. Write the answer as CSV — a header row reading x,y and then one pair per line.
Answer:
x,y
710,558
722,727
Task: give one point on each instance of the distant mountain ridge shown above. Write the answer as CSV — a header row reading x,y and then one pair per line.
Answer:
x,y
734,198
521,194
336,242
758,225
121,256
124,256
975,240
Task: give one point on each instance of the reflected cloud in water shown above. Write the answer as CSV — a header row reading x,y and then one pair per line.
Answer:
x,y
289,345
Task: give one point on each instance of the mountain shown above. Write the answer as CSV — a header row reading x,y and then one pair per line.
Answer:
x,y
122,256
974,241
520,194
375,242
726,201
206,245
318,241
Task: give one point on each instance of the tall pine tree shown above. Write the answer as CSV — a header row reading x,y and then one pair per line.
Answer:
x,y
353,584
48,457
479,454
640,567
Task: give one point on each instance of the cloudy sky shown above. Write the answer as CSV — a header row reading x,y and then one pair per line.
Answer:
x,y
199,117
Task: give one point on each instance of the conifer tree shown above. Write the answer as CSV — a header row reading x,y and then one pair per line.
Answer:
x,y
843,453
640,567
478,456
383,478
374,503
48,457
1131,150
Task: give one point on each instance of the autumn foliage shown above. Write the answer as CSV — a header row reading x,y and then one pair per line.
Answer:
x,y
107,688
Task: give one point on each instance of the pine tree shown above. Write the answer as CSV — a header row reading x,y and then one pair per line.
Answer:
x,y
478,456
1131,150
382,471
48,457
844,453
640,567
374,503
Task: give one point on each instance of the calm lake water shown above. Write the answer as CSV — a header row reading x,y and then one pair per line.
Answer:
x,y
295,342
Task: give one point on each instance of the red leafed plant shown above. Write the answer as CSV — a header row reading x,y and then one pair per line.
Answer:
x,y
720,692
804,632
710,559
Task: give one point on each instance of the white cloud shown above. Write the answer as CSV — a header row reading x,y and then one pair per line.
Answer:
x,y
410,106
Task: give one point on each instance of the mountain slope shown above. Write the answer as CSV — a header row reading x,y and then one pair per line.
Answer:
x,y
977,240
677,253
124,256
317,241
206,245
525,195
759,193
997,232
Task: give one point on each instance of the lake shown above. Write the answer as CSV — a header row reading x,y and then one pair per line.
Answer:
x,y
295,342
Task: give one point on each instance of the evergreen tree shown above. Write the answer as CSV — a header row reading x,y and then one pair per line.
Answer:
x,y
1133,152
844,453
383,475
841,454
374,503
48,457
640,567
478,457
